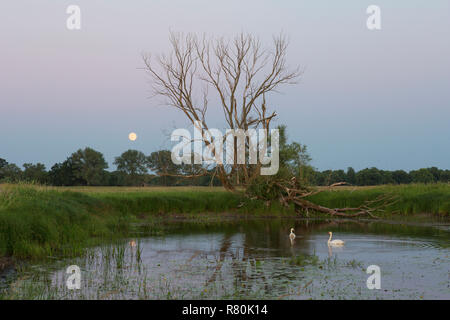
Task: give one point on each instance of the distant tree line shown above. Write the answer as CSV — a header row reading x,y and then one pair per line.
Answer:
x,y
373,176
87,167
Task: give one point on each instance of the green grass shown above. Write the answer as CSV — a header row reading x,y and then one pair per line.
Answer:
x,y
35,222
38,222
409,199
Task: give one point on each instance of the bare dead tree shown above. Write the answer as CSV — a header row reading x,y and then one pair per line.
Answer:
x,y
240,73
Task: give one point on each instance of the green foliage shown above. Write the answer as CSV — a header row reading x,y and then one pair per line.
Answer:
x,y
423,176
161,163
39,223
133,164
401,177
83,167
10,172
373,176
265,188
34,172
293,162
88,165
3,164
369,177
61,174
117,178
350,176
294,157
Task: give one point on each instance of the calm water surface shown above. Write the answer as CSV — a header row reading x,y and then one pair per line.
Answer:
x,y
254,259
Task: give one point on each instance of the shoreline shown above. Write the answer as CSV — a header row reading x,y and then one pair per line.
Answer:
x,y
8,263
38,221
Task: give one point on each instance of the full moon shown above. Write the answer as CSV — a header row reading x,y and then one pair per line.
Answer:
x,y
132,136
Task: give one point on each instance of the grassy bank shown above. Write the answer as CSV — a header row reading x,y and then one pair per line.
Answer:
x,y
410,199
35,222
38,222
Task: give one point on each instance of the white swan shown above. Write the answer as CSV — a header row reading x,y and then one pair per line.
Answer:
x,y
334,242
292,235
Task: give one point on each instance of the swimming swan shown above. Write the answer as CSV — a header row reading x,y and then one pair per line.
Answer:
x,y
292,235
334,242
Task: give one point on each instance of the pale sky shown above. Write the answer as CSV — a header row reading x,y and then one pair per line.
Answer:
x,y
367,98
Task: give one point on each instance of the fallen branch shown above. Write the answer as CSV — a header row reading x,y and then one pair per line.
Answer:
x,y
292,192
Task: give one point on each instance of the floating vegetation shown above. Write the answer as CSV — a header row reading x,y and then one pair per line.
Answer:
x,y
303,260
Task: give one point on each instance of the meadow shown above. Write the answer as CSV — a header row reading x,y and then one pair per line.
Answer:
x,y
41,222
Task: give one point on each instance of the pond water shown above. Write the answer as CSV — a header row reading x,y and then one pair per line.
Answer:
x,y
255,259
